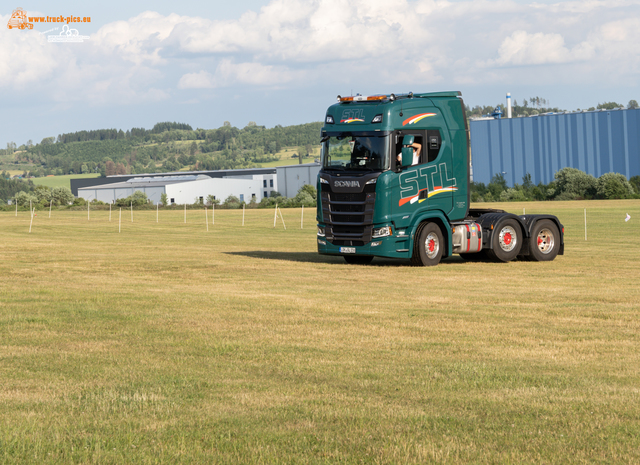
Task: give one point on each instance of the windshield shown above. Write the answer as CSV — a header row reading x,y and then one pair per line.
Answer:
x,y
355,152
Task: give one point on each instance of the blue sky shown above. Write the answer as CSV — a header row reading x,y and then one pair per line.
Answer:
x,y
284,61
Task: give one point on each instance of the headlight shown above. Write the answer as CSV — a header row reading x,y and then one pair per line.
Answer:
x,y
323,181
320,231
382,232
372,181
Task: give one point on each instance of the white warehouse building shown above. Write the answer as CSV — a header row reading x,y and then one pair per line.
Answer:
x,y
189,187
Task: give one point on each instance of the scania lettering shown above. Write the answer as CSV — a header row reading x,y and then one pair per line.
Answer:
x,y
395,182
346,183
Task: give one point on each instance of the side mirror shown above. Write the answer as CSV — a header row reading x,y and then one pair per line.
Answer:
x,y
407,156
408,140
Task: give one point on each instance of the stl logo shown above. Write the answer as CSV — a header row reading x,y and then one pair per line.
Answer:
x,y
18,20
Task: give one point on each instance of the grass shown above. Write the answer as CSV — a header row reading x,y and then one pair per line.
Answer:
x,y
61,181
285,157
166,343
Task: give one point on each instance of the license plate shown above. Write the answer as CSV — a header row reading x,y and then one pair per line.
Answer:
x,y
347,250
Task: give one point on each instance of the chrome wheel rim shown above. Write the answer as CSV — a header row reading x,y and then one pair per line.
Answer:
x,y
545,241
432,245
507,238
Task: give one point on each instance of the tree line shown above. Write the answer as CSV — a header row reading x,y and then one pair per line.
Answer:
x,y
568,184
166,147
537,106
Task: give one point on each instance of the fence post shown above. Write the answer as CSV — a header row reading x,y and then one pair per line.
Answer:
x,y
275,215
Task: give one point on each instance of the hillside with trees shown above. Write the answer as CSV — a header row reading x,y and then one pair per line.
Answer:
x,y
166,147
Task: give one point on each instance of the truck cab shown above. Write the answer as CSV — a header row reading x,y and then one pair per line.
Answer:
x,y
394,183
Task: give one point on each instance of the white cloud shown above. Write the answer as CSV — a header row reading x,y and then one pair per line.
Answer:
x,y
380,45
522,48
229,73
26,57
199,80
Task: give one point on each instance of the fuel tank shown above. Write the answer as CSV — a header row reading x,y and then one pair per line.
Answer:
x,y
466,237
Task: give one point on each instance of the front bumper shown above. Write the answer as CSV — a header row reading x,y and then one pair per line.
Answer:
x,y
390,246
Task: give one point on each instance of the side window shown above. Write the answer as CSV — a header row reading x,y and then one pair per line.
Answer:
x,y
418,139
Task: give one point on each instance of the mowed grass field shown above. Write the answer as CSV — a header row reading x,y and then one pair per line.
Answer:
x,y
165,343
61,181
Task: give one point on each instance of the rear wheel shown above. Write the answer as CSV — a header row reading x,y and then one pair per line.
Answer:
x,y
429,246
506,241
358,259
544,242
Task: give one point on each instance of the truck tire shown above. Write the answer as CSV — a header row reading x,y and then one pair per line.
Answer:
x,y
358,259
428,248
506,241
544,242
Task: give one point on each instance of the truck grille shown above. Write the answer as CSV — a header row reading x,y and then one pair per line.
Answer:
x,y
348,216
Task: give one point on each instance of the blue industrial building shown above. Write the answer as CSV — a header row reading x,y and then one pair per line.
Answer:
x,y
595,142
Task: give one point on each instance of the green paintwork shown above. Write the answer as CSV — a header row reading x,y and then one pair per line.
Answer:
x,y
436,190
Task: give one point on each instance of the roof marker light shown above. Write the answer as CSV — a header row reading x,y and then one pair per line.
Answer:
x,y
362,98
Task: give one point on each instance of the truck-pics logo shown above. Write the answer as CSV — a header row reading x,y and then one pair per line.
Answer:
x,y
351,116
415,119
429,179
18,20
346,184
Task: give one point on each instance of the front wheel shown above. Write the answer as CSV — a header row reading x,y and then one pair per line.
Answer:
x,y
544,243
506,241
429,246
358,259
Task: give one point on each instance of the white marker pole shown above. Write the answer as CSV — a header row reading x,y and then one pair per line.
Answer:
x,y
275,215
185,213
242,214
50,203
282,218
157,207
120,220
206,217
88,210
301,216
585,224
523,211
31,222
132,211
109,213
213,212
16,208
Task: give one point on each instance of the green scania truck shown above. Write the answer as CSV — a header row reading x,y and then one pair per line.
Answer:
x,y
395,181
